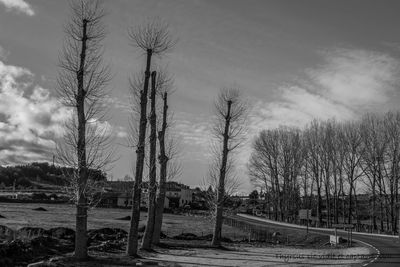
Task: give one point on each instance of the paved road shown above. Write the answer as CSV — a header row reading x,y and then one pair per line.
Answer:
x,y
388,247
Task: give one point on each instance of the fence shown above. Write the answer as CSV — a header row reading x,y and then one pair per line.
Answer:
x,y
254,232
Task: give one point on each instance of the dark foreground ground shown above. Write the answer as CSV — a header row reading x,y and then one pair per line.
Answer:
x,y
32,233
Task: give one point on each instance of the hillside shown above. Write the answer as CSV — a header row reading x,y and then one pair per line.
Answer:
x,y
39,175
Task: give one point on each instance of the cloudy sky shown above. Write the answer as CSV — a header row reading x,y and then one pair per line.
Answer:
x,y
293,60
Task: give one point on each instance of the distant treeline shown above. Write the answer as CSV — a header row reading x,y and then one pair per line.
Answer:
x,y
37,173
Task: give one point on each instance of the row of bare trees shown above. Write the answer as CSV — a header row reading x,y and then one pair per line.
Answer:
x,y
328,165
153,39
87,146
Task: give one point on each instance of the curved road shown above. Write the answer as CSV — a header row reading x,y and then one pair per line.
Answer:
x,y
388,247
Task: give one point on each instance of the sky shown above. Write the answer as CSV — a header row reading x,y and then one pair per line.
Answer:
x,y
294,61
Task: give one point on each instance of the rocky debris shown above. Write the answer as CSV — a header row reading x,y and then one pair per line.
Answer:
x,y
14,252
105,234
37,244
126,218
111,246
6,232
40,209
21,252
186,236
162,235
62,233
28,232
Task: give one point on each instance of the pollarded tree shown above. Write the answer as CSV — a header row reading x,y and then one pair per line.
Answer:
x,y
228,131
167,151
82,82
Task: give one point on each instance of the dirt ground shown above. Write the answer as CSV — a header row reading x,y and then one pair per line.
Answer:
x,y
236,255
300,250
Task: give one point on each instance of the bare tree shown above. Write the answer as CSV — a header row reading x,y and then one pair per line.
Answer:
x,y
263,166
167,152
153,38
148,234
82,82
313,142
375,144
228,130
352,143
392,167
277,160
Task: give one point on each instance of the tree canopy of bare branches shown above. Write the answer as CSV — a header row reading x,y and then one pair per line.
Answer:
x,y
82,82
228,130
337,163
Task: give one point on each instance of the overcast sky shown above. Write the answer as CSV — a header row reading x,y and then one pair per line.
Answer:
x,y
293,60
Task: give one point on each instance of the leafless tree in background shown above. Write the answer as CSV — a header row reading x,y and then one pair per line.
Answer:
x,y
342,161
152,38
351,139
277,161
82,82
375,143
228,131
391,167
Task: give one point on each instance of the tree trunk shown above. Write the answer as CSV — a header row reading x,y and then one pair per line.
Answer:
x,y
132,245
328,206
374,226
148,234
81,209
319,205
349,220
335,200
216,241
163,160
356,209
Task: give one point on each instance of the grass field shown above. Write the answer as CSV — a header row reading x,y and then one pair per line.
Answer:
x,y
18,215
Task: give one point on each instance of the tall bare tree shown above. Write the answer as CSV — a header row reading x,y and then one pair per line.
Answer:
x,y
152,38
352,142
148,234
228,130
82,84
167,152
277,160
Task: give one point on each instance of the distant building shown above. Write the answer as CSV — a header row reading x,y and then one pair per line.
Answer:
x,y
119,193
178,194
9,195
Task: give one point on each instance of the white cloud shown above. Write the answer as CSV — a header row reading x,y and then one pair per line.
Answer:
x,y
3,53
349,83
30,118
194,132
356,77
20,6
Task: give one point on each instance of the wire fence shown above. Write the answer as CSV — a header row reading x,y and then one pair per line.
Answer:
x,y
254,232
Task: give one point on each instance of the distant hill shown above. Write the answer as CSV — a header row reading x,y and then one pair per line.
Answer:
x,y
38,175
